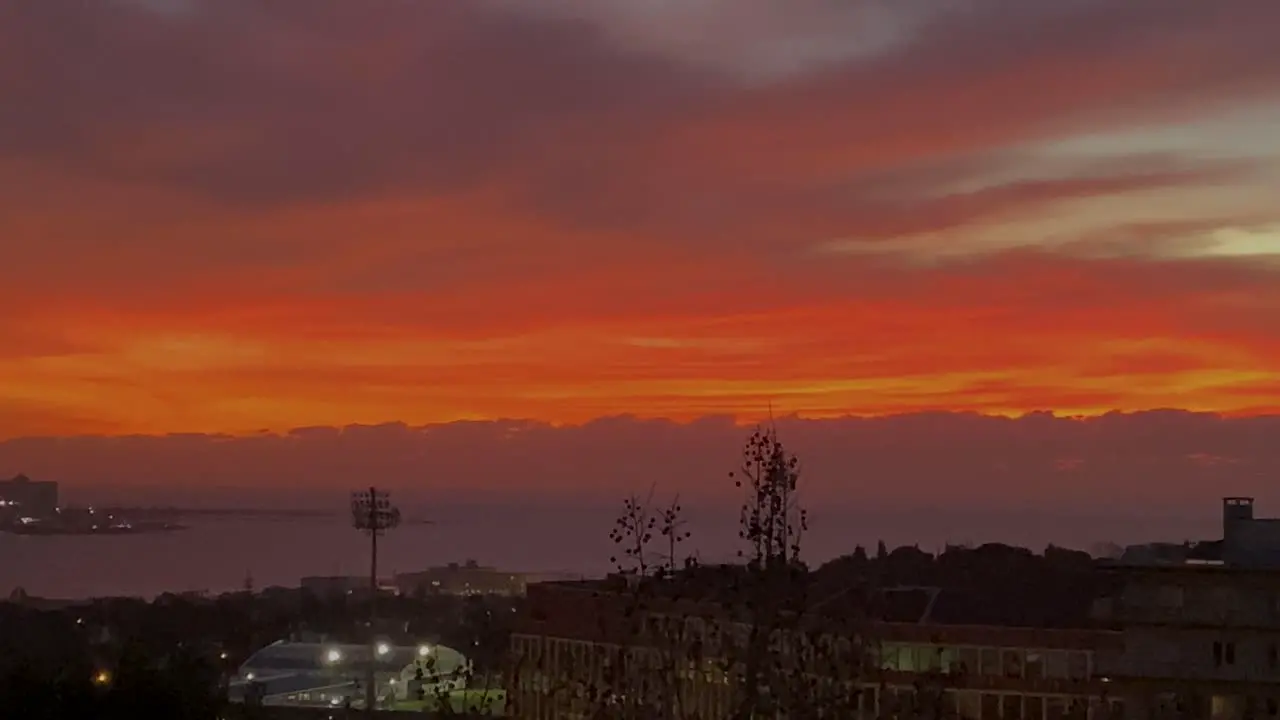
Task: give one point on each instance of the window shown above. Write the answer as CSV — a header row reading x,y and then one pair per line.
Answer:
x,y
990,705
928,658
906,702
1034,665
1011,663
969,705
889,655
891,701
947,704
1055,708
990,661
1224,654
1055,664
949,660
1078,665
970,660
907,658
1012,707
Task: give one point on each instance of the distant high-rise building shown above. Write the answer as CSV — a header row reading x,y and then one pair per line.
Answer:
x,y
30,498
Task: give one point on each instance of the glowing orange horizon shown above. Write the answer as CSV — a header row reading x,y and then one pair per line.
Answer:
x,y
224,367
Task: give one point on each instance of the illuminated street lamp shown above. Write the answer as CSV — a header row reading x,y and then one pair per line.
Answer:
x,y
383,649
373,513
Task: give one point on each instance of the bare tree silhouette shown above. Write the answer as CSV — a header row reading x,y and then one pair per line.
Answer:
x,y
675,640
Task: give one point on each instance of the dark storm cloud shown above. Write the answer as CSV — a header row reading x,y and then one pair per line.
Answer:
x,y
303,101
265,103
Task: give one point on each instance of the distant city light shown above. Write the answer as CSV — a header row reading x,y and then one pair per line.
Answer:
x,y
222,656
102,677
249,676
383,648
333,656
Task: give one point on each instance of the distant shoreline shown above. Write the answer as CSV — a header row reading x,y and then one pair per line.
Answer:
x,y
36,530
220,512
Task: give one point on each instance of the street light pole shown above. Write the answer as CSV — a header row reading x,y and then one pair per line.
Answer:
x,y
372,512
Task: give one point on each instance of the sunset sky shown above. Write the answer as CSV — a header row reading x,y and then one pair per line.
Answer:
x,y
228,216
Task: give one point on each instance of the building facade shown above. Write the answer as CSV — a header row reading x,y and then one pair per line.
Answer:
x,y
912,668
1200,641
469,578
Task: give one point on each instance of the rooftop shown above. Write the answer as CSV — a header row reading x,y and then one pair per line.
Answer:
x,y
316,657
1017,603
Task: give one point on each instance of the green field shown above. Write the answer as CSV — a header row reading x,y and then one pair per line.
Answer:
x,y
489,702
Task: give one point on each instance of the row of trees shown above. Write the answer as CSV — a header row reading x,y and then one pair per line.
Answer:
x,y
114,654
51,668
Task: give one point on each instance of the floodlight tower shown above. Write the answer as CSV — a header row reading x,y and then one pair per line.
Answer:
x,y
373,513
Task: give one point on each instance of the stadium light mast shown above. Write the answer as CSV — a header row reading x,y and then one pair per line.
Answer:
x,y
373,513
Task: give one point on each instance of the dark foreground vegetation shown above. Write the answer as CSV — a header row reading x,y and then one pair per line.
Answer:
x,y
173,657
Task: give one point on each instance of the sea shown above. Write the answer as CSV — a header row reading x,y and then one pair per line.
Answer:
x,y
225,553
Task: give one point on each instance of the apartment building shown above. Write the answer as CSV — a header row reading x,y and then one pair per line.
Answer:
x,y
1201,630
933,653
1199,641
469,578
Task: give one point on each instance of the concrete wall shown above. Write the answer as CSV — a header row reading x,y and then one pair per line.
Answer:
x,y
1254,542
